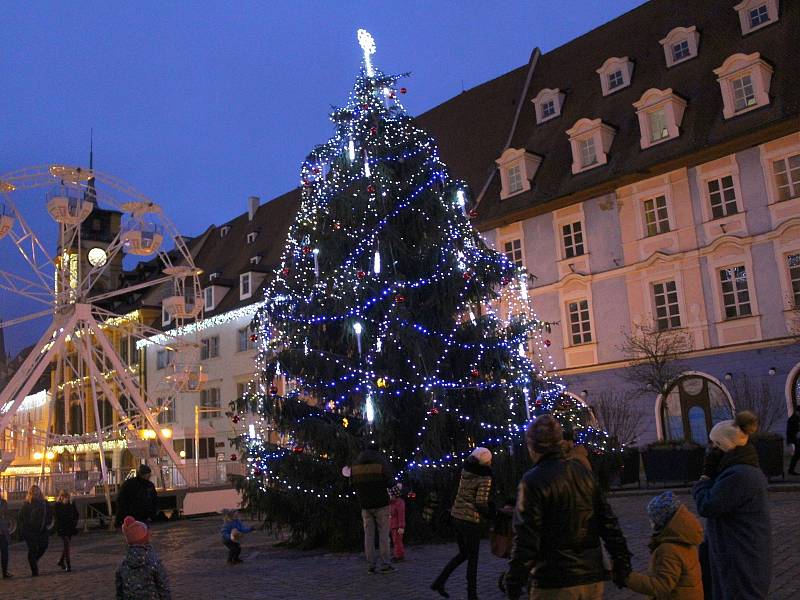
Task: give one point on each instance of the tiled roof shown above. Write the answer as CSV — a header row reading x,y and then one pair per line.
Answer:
x,y
470,126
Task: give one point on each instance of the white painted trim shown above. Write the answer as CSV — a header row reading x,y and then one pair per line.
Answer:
x,y
660,397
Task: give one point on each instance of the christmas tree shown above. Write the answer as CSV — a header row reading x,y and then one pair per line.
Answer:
x,y
390,325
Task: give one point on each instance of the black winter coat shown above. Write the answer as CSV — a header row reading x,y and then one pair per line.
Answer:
x,y
34,519
138,498
560,518
66,519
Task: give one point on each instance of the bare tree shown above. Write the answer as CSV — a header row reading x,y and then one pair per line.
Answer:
x,y
619,415
653,355
761,399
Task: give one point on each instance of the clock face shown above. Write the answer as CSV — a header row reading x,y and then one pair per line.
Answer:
x,y
97,257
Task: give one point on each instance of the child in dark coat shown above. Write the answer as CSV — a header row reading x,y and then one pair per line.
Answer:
x,y
66,526
232,529
141,576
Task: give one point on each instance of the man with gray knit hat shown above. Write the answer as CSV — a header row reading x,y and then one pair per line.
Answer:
x,y
559,521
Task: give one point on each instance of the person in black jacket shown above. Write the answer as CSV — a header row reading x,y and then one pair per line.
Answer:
x,y
371,478
5,536
35,517
66,526
559,521
137,498
792,431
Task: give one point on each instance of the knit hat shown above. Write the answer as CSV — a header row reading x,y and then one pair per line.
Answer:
x,y
135,532
396,490
727,435
482,455
661,509
544,434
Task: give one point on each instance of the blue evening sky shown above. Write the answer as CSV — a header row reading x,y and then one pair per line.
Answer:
x,y
202,104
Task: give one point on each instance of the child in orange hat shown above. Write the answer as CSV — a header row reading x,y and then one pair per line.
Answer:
x,y
141,574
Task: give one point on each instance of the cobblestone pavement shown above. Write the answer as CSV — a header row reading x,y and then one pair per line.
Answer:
x,y
195,560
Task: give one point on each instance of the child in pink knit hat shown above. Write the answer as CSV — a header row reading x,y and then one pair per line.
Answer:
x,y
141,574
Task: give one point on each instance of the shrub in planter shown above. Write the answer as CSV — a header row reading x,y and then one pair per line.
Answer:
x,y
770,452
673,461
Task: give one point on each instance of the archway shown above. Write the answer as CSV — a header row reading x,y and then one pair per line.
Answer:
x,y
793,389
693,404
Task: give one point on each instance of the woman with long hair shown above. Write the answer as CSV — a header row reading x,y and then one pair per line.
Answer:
x,y
66,526
34,520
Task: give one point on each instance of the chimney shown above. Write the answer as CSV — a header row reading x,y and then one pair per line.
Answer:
x,y
252,206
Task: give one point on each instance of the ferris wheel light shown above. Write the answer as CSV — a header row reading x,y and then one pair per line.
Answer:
x,y
50,455
166,432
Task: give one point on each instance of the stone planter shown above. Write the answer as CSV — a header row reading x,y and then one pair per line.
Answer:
x,y
673,463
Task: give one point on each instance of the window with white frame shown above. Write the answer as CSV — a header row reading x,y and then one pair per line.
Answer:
x,y
164,358
166,318
517,169
735,292
245,339
572,238
224,230
615,74
660,114
251,237
245,285
254,260
680,45
214,275
744,81
668,310
580,326
548,104
590,140
755,14
515,179
209,347
793,262
513,251
166,411
787,176
241,389
208,298
210,398
722,197
656,216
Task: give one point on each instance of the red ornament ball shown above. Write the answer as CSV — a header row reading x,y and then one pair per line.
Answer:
x,y
235,418
273,390
475,373
434,411
473,213
365,106
253,337
285,271
399,298
467,275
403,90
412,495
306,249
371,188
373,130
234,457
315,170
547,343
361,274
505,281
337,226
257,472
299,449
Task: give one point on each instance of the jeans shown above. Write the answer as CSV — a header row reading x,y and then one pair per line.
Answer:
x,y
37,545
591,591
376,518
4,540
468,536
234,549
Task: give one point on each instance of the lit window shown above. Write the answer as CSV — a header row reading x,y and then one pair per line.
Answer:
x,y
579,322
658,125
680,51
166,413
548,109
722,197
743,94
787,176
515,179
245,339
735,293
210,398
208,298
245,285
572,236
794,276
758,16
588,152
209,347
513,251
656,215
615,80
668,312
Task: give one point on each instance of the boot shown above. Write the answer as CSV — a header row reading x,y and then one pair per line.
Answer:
x,y
438,587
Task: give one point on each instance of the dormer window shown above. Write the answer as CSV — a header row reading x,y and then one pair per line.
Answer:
x,y
680,45
254,260
615,74
213,276
517,170
548,104
744,81
224,230
245,285
590,140
251,237
755,14
660,114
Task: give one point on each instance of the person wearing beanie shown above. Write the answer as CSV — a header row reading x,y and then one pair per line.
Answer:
x,y
674,571
141,575
137,497
560,519
732,496
470,508
397,522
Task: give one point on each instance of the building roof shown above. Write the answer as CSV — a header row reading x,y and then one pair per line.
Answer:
x,y
469,126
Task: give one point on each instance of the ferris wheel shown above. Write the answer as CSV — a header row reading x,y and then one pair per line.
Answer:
x,y
79,283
